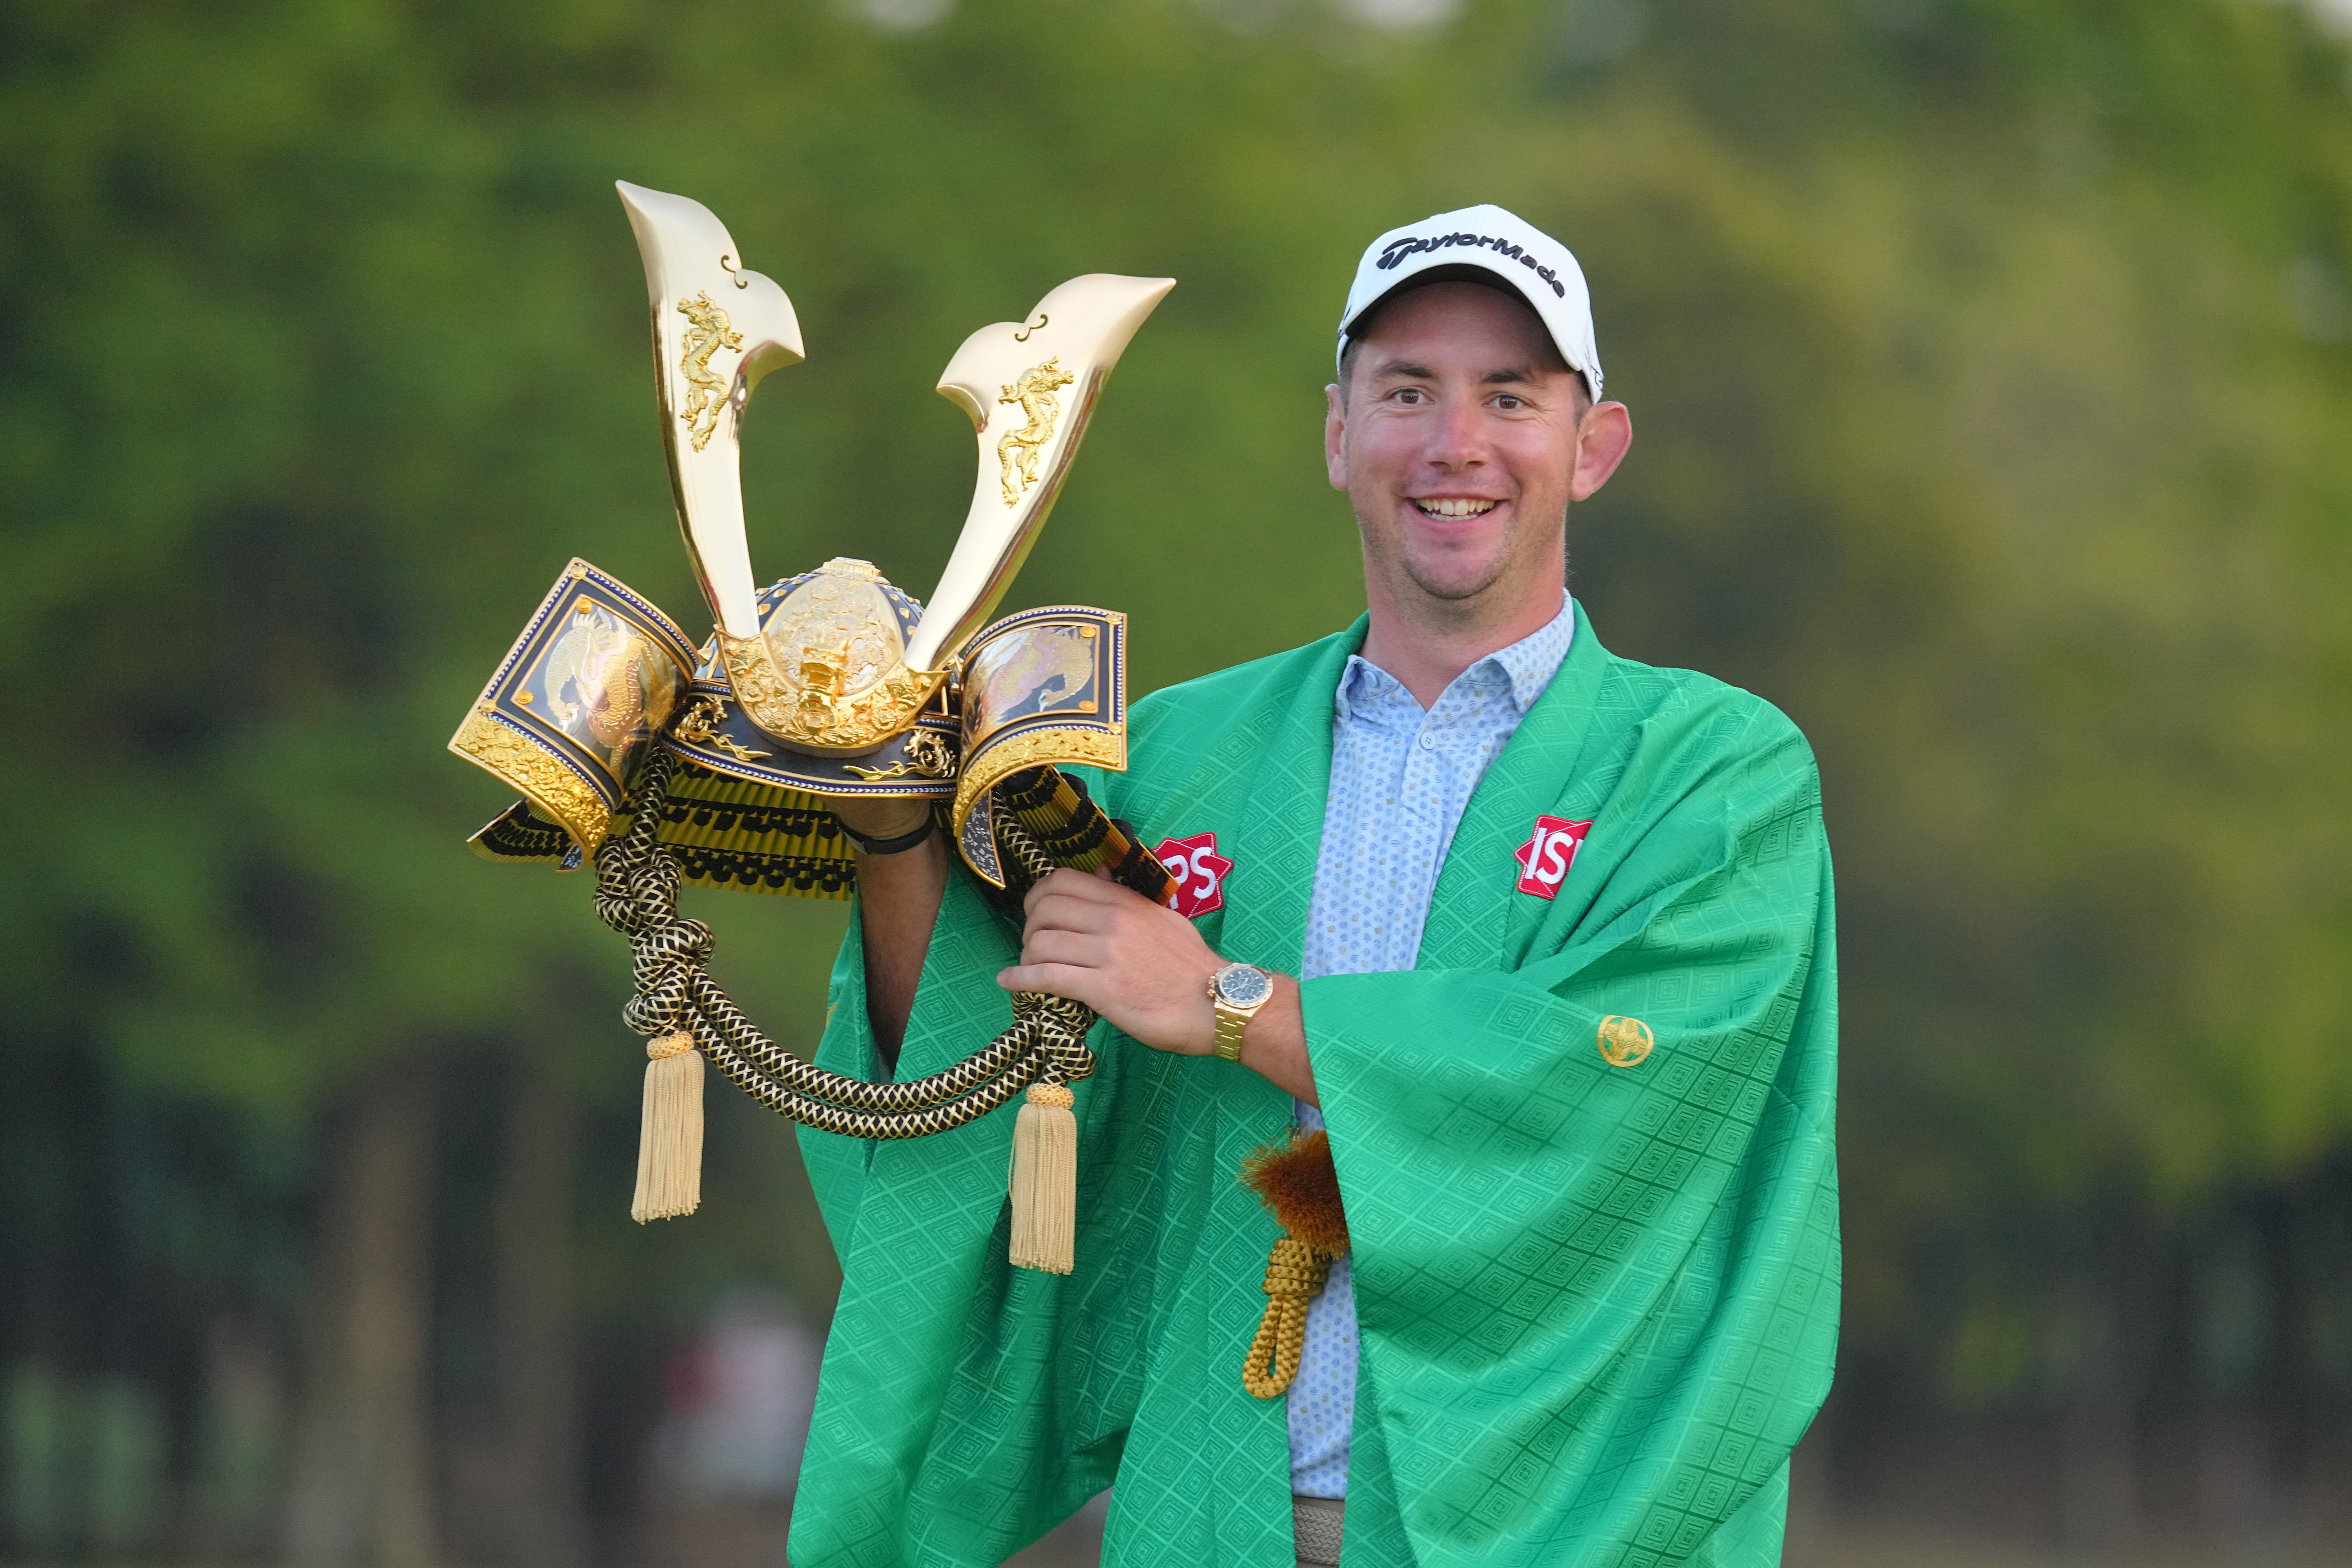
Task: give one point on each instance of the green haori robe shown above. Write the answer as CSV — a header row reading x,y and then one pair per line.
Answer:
x,y
1597,1305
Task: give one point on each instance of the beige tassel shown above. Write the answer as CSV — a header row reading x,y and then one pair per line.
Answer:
x,y
1045,1181
669,1136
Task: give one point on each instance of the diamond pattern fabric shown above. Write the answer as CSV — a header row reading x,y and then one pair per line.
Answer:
x,y
1596,1305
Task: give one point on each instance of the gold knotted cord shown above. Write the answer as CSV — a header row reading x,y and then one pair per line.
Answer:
x,y
1295,1273
1299,1185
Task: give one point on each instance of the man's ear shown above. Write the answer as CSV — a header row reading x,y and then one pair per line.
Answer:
x,y
1335,438
1601,443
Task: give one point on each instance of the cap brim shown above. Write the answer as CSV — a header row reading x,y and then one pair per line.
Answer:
x,y
1502,279
1448,272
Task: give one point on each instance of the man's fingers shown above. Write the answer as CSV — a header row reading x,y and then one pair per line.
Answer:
x,y
1066,947
1047,885
1060,911
1066,981
1068,883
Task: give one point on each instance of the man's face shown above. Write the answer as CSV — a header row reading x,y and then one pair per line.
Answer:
x,y
1460,446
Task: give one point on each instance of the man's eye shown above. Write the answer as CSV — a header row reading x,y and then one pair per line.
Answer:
x,y
1510,401
1407,394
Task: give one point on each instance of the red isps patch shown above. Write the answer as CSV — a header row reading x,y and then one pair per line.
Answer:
x,y
1549,851
1199,872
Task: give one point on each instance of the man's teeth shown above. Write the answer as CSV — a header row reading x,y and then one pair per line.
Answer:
x,y
1454,506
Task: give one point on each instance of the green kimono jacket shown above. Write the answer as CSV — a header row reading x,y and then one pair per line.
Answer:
x,y
1597,1304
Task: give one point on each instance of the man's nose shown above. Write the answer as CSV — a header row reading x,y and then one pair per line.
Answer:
x,y
1459,441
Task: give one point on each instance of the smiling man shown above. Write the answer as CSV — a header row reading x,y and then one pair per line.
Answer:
x,y
1540,938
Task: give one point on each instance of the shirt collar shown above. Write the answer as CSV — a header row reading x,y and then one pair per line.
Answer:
x,y
1535,658
1526,666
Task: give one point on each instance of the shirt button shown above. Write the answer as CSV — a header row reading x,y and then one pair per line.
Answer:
x,y
1429,743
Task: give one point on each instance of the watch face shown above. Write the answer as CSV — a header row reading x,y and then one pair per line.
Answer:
x,y
1239,985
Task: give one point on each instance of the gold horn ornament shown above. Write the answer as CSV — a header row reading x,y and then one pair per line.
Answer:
x,y
826,684
820,681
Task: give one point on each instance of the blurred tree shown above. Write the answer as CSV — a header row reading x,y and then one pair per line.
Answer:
x,y
364,1455
536,1341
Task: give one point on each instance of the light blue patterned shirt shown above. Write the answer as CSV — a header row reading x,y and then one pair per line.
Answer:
x,y
1399,780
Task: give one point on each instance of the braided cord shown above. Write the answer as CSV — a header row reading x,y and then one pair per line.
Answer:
x,y
636,894
1293,1274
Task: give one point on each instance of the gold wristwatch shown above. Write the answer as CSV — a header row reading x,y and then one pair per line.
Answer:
x,y
1237,992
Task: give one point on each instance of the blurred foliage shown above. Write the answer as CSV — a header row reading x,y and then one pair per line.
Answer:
x,y
1989,359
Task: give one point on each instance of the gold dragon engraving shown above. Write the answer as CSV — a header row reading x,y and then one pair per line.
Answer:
x,y
1018,449
929,756
737,749
706,393
613,718
700,722
699,727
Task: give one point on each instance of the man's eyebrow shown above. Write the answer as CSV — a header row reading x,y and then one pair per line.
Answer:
x,y
1508,376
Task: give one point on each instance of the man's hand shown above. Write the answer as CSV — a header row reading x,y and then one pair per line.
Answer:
x,y
1145,968
1137,964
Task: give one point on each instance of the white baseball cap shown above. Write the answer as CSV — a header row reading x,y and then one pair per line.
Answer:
x,y
1536,267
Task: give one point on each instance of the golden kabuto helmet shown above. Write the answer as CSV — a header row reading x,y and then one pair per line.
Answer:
x,y
662,762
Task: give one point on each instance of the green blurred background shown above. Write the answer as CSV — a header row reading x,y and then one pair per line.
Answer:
x,y
1991,366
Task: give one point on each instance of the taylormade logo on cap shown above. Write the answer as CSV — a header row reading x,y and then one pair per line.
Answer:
x,y
1397,252
1534,265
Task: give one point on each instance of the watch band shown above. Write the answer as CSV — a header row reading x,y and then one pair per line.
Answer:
x,y
904,842
1231,1022
1233,1017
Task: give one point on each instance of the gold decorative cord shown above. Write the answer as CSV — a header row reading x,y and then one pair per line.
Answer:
x,y
637,895
1294,1273
1297,1180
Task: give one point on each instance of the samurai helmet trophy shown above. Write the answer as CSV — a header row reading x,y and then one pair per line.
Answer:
x,y
711,765
833,683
